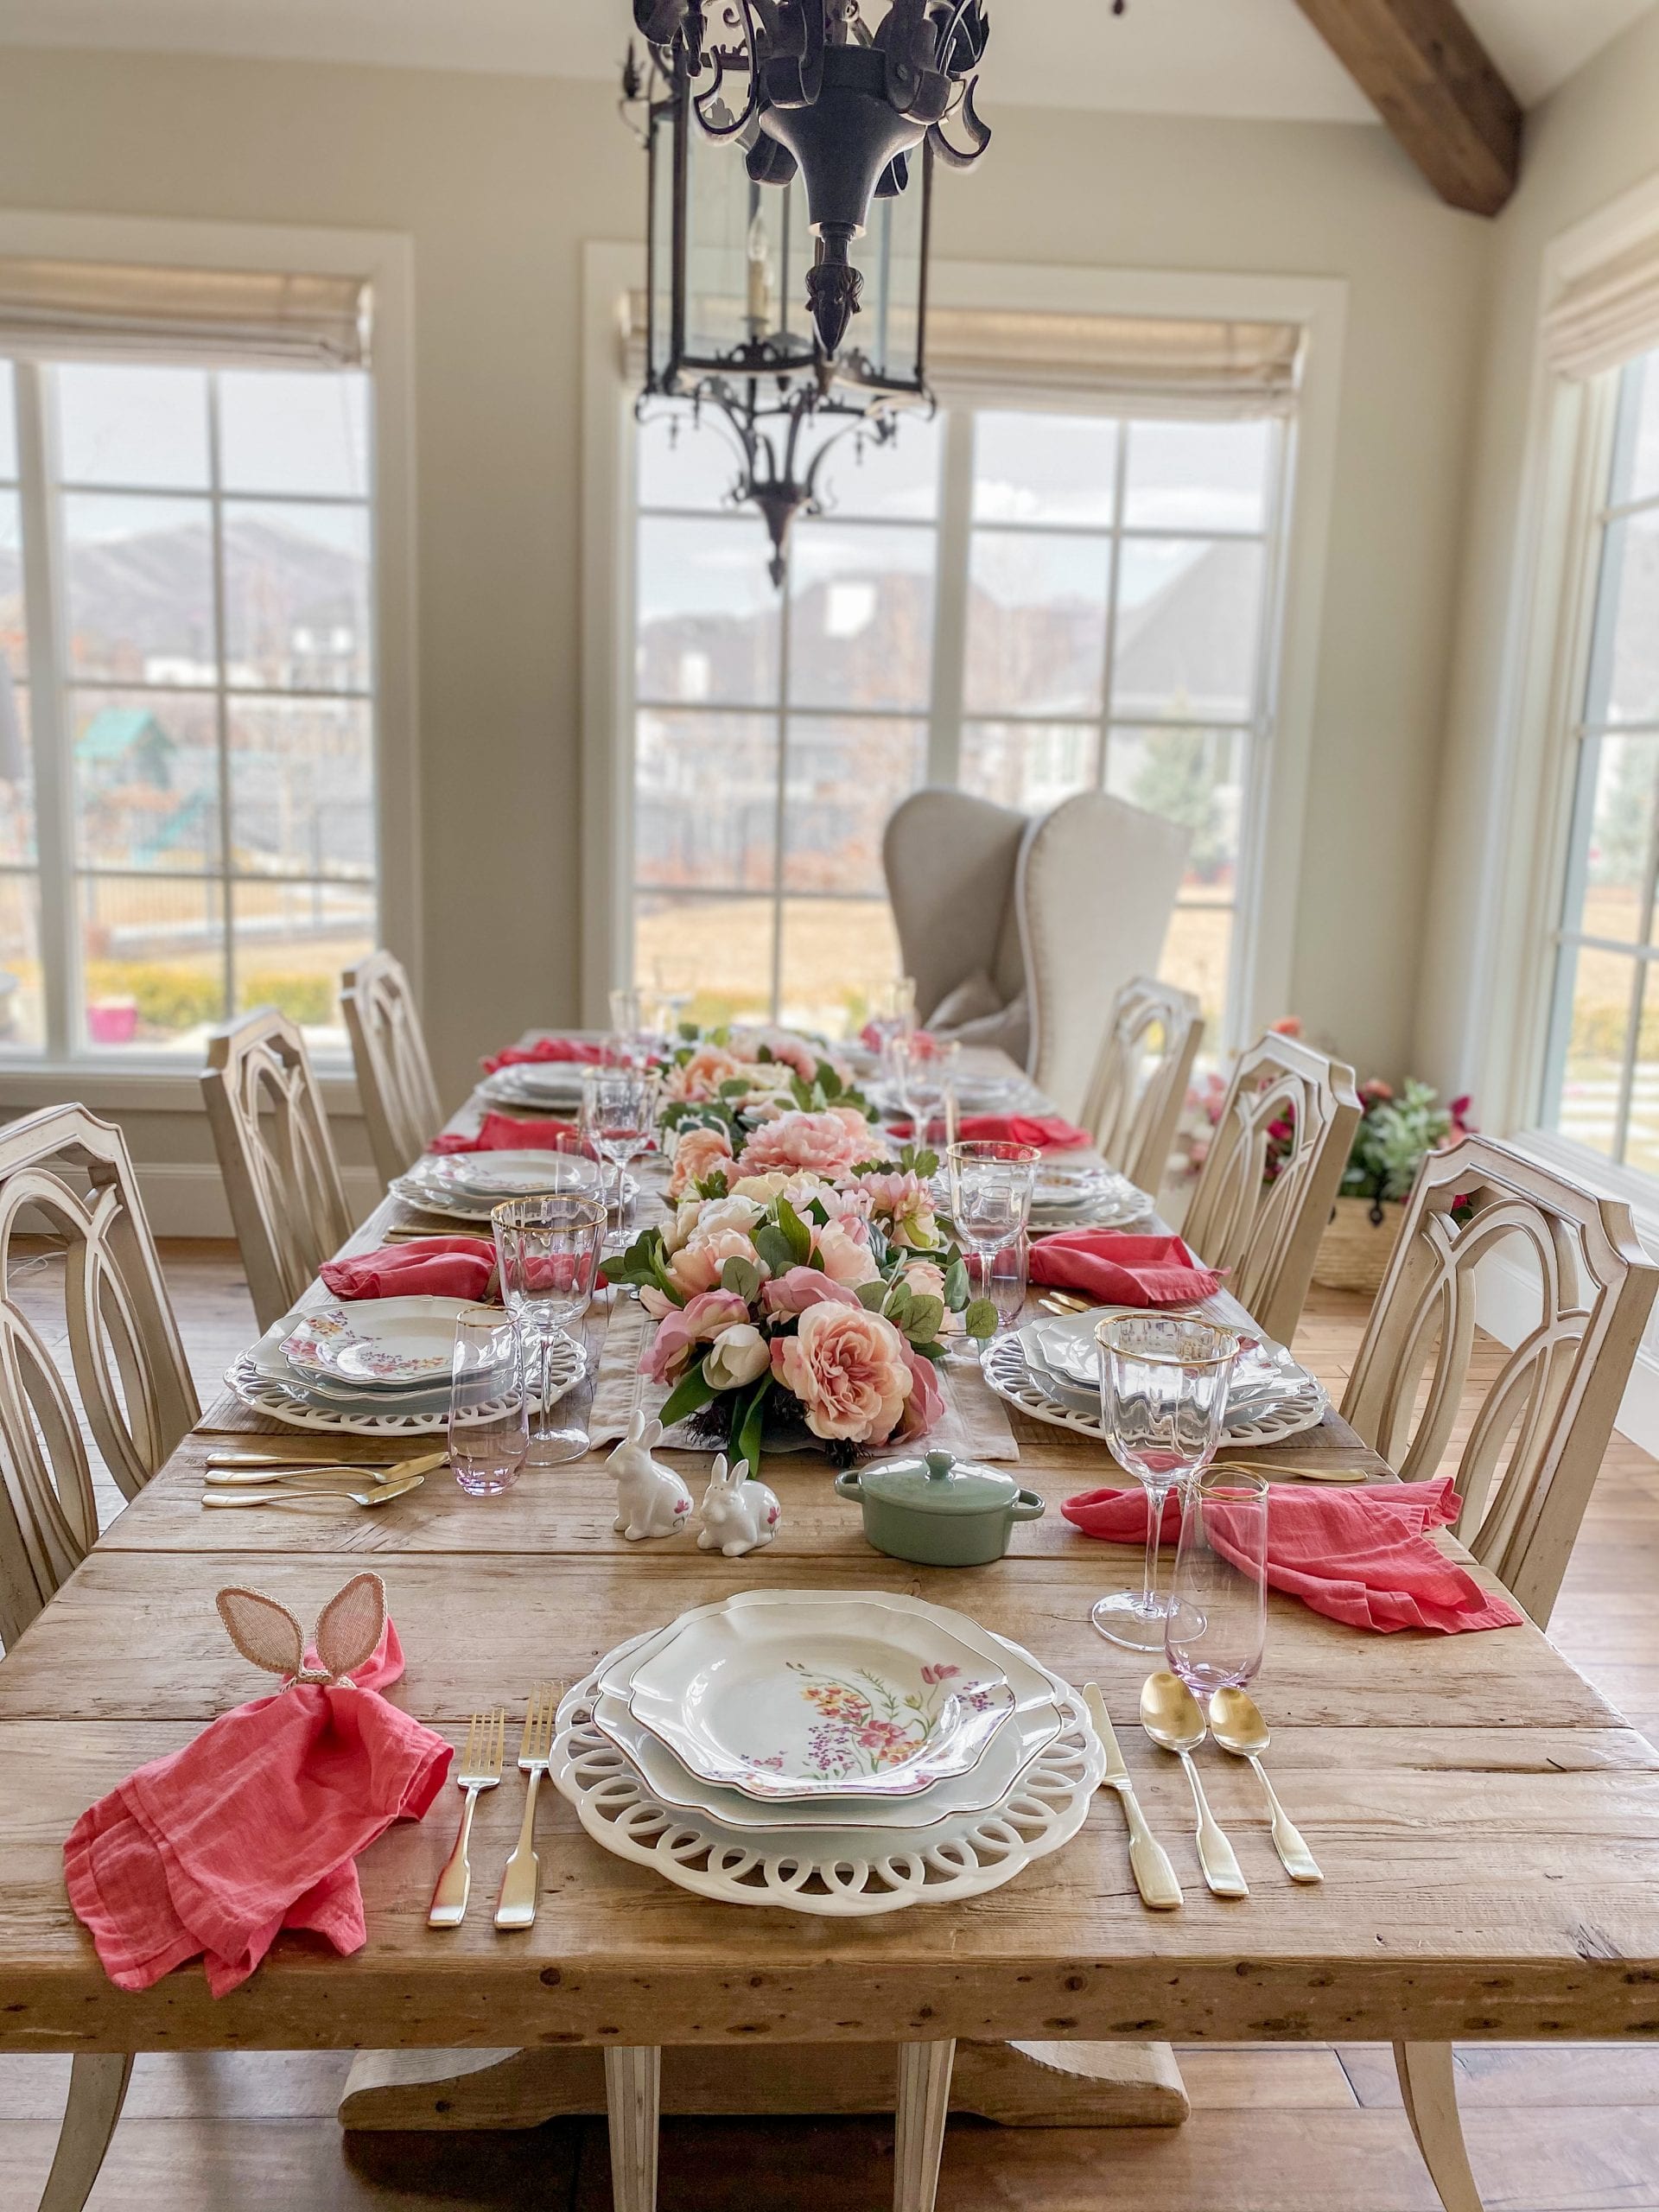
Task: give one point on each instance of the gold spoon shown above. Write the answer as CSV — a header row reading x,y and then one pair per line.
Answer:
x,y
1238,1725
1293,1472
289,1462
1170,1715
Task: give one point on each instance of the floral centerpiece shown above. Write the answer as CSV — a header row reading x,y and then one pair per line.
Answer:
x,y
802,1280
734,1079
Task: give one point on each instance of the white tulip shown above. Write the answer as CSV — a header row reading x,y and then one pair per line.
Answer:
x,y
738,1355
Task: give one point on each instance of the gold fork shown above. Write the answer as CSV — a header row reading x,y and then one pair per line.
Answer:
x,y
521,1879
479,1768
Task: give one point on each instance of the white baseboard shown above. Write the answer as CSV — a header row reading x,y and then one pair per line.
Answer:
x,y
188,1200
1507,1306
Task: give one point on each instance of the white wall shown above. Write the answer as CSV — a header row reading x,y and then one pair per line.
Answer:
x,y
499,181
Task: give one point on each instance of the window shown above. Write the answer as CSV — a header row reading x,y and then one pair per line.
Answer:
x,y
1601,1080
186,741
1101,615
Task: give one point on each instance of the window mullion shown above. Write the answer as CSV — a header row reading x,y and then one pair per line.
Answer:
x,y
954,542
221,709
52,722
1108,642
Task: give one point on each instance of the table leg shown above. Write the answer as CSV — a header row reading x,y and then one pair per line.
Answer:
x,y
1429,2086
632,2094
98,2088
923,2103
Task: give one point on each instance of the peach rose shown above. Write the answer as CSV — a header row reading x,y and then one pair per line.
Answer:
x,y
828,1143
843,1255
698,1154
695,1267
699,1078
848,1369
927,1400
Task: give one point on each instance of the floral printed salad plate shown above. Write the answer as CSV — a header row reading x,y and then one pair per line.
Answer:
x,y
380,1343
809,1695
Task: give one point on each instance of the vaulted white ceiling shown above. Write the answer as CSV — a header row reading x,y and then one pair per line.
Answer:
x,y
1173,57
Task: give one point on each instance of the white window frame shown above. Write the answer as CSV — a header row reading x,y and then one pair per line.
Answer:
x,y
134,1080
1264,937
1522,861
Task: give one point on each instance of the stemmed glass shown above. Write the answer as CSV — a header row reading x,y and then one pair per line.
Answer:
x,y
925,1079
1217,1625
618,1119
548,1251
487,1447
991,1183
1164,1381
670,999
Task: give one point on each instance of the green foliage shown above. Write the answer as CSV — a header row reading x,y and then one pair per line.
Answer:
x,y
1393,1136
980,1320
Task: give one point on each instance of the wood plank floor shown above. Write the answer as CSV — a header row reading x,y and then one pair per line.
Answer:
x,y
1273,2130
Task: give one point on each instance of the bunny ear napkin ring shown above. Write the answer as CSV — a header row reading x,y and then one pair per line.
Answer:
x,y
348,1631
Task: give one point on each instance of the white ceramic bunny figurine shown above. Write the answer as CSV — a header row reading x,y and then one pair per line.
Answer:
x,y
739,1516
654,1501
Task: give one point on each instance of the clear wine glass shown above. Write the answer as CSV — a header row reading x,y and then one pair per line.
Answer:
x,y
1216,1629
489,1405
990,1184
618,1119
548,1251
1164,1381
925,1076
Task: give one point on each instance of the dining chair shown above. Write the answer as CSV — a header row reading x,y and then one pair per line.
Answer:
x,y
1094,888
1530,1461
66,1173
1266,1189
394,1074
1135,1095
277,1155
950,860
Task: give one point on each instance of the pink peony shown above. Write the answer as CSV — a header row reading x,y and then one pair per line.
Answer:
x,y
803,1286
829,1143
850,1371
695,1267
927,1400
841,1251
903,1204
924,1277
700,1077
699,1153
791,1050
700,1320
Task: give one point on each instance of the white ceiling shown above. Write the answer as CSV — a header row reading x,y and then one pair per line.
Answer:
x,y
1257,58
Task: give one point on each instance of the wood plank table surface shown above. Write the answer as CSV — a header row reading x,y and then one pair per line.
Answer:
x,y
1487,1824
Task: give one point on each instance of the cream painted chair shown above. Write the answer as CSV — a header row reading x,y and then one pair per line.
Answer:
x,y
276,1156
64,1171
951,859
1266,1234
1095,888
394,1075
1139,1086
1530,1460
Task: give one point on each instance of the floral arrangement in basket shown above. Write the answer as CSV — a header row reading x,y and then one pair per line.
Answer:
x,y
802,1282
734,1079
1396,1133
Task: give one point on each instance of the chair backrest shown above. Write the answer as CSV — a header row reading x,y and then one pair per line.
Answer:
x,y
276,1156
1139,1086
950,862
1095,887
394,1075
1265,1192
65,1171
1526,1470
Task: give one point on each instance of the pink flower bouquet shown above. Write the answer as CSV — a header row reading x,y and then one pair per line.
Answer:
x,y
784,1296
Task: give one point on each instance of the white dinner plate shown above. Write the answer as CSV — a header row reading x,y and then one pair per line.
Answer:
x,y
379,1342
497,1175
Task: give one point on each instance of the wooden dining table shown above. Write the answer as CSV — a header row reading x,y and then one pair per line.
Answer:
x,y
1487,1824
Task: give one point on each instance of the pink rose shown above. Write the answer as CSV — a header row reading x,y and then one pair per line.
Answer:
x,y
849,1369
699,1153
927,1400
803,1286
841,1251
695,1267
785,1046
700,1320
700,1077
829,1143
905,1205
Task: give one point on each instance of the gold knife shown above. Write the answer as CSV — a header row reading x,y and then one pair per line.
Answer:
x,y
1148,1861
306,1494
275,1463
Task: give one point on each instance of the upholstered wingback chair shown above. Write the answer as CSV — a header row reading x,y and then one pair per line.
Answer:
x,y
951,862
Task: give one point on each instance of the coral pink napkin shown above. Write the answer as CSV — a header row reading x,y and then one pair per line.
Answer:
x,y
1048,1132
436,1267
1362,1556
1119,1269
252,1828
546,1048
505,1133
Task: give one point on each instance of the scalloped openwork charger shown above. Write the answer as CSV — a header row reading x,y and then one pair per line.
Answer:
x,y
1005,1370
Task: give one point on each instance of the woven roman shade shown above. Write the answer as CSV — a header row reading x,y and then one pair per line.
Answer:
x,y
1109,364
105,310
1605,318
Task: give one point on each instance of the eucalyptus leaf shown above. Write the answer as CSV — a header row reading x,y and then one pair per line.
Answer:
x,y
774,1248
925,1319
872,1294
955,1284
980,1320
741,1276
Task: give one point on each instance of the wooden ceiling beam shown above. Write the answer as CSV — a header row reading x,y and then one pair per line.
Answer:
x,y
1437,88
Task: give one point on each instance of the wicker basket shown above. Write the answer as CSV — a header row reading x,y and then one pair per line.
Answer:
x,y
1358,1244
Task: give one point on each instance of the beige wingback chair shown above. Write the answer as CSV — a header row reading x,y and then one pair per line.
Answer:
x,y
950,861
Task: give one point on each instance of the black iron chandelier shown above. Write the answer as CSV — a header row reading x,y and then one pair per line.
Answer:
x,y
787,291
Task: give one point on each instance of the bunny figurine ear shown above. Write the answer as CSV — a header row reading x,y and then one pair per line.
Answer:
x,y
350,1626
262,1630
717,1472
739,1474
652,1435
